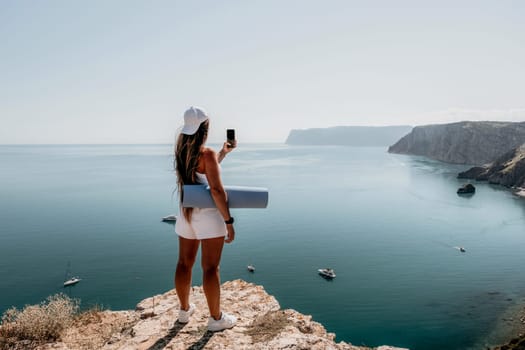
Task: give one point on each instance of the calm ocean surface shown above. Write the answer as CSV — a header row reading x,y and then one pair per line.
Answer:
x,y
387,224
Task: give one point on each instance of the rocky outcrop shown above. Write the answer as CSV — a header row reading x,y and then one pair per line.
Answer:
x,y
371,136
261,325
508,170
517,343
474,143
466,189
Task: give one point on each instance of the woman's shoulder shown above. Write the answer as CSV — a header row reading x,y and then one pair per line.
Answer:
x,y
208,153
207,156
208,160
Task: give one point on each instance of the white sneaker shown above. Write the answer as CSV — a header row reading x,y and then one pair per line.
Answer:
x,y
184,316
226,321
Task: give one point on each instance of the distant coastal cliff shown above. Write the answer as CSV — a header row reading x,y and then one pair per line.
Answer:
x,y
348,135
474,143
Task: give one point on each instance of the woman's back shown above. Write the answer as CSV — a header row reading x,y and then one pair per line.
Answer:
x,y
208,227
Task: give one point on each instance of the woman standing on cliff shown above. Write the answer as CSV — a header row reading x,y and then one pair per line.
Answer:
x,y
208,227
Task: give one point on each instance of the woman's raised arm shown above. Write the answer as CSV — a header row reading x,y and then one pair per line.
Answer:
x,y
213,175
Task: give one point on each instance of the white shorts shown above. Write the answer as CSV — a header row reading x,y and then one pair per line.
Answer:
x,y
205,223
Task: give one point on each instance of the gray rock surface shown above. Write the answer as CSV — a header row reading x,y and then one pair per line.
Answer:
x,y
508,170
474,143
371,136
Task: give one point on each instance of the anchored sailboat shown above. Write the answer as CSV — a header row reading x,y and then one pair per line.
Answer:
x,y
70,281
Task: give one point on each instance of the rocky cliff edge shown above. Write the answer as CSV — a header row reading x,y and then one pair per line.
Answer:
x,y
508,170
152,325
468,142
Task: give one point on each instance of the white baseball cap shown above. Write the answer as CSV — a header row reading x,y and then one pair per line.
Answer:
x,y
193,117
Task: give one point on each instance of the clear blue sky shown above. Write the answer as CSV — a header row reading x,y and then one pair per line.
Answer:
x,y
125,71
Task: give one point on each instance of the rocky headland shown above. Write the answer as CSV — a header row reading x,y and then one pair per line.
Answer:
x,y
468,142
508,170
364,136
261,324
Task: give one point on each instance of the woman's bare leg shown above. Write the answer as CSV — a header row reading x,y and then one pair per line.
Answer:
x,y
187,253
211,257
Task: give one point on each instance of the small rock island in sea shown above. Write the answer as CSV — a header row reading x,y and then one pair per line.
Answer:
x,y
466,189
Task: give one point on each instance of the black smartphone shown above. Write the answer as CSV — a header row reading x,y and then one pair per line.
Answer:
x,y
230,135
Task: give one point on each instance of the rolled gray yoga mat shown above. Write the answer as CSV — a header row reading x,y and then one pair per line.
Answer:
x,y
199,196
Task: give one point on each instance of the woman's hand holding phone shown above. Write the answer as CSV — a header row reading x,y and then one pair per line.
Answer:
x,y
229,145
230,138
231,142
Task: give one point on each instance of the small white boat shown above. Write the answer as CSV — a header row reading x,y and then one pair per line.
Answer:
x,y
170,218
72,281
327,273
251,268
68,280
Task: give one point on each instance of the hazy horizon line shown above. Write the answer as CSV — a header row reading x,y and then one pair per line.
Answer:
x,y
259,141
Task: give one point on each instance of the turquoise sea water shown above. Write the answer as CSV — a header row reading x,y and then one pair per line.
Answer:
x,y
387,224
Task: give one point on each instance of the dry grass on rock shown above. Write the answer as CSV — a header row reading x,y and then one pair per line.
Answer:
x,y
37,323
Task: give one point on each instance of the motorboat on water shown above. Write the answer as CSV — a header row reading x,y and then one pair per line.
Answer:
x,y
170,218
461,249
72,281
251,268
327,273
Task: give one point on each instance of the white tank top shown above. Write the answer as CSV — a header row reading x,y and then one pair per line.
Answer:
x,y
201,178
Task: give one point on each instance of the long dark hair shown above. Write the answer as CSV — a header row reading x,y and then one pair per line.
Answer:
x,y
187,152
